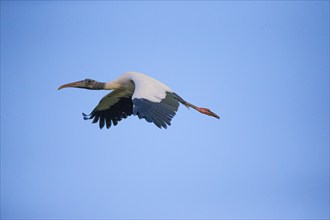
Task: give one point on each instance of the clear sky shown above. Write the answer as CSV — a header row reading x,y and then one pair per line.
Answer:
x,y
263,66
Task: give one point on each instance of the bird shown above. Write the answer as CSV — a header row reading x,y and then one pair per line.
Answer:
x,y
137,94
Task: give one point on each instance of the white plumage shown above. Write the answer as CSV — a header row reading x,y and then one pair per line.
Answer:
x,y
145,86
148,88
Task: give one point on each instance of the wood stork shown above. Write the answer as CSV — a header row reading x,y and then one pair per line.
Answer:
x,y
137,94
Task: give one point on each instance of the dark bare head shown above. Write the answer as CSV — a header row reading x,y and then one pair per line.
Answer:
x,y
84,84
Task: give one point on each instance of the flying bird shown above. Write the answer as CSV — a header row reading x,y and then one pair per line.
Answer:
x,y
138,94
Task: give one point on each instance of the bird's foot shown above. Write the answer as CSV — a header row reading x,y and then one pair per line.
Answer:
x,y
207,111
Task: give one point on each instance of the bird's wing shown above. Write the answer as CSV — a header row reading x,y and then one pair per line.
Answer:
x,y
112,108
154,101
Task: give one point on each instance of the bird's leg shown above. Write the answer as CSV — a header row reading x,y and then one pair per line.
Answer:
x,y
205,111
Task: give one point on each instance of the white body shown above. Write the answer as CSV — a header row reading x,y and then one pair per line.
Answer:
x,y
144,87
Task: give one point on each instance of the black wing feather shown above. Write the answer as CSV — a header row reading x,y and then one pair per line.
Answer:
x,y
116,112
160,113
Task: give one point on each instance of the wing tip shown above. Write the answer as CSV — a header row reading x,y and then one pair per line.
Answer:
x,y
86,117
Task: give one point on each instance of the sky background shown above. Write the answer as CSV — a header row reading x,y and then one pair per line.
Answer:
x,y
263,66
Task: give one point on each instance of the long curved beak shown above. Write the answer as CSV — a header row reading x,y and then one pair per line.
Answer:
x,y
77,84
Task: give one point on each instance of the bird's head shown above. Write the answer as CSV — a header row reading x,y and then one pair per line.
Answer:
x,y
84,84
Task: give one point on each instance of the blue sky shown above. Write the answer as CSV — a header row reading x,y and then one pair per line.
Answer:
x,y
263,66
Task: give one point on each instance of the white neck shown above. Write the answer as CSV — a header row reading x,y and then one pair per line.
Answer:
x,y
113,85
